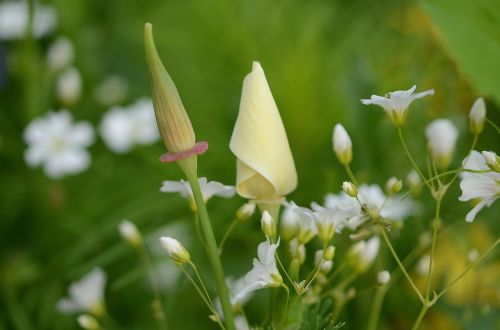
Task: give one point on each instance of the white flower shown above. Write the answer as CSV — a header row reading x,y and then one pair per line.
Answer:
x,y
342,144
264,273
175,250
265,167
297,250
14,17
58,144
111,91
329,221
441,136
268,225
383,277
363,253
208,189
86,295
423,265
69,86
492,160
325,265
473,255
477,116
130,233
289,223
482,186
306,221
60,54
396,103
245,211
122,128
88,322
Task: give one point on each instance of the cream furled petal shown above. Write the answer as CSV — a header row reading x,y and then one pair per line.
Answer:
x,y
265,166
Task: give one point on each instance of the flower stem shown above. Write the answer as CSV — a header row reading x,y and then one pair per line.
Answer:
x,y
401,266
212,251
420,316
407,151
493,125
350,174
226,235
377,307
435,224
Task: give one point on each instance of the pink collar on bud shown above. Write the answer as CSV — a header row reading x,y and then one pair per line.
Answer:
x,y
198,149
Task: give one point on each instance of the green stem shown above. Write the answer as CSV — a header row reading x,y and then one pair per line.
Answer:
x,y
474,142
407,151
435,224
401,266
420,316
226,235
350,174
213,254
377,307
493,125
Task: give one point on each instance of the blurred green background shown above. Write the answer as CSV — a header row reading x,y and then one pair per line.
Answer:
x,y
320,58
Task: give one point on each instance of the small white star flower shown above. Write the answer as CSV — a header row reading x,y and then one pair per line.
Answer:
x,y
58,144
396,103
441,136
482,186
264,273
306,220
86,295
342,144
329,221
208,189
69,86
363,253
14,17
124,127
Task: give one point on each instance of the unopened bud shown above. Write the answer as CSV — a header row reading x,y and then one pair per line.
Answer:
x,y
175,250
324,265
130,233
329,252
477,116
289,224
268,225
414,181
173,122
492,160
383,277
297,251
245,211
342,144
88,322
350,189
393,186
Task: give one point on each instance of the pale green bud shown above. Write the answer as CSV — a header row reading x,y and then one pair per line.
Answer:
x,y
492,160
268,225
130,233
350,189
175,250
245,211
477,116
342,144
88,322
329,252
393,186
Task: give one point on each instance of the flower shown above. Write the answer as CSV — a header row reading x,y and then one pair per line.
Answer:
x,y
86,295
477,116
306,222
396,103
492,160
264,273
441,138
363,253
88,322
208,189
297,250
60,54
342,144
130,233
383,277
69,86
58,144
482,186
265,166
324,265
112,90
329,221
14,16
245,211
175,250
350,189
423,265
123,127
268,225
393,185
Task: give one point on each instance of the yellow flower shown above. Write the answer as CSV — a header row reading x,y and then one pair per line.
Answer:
x,y
265,167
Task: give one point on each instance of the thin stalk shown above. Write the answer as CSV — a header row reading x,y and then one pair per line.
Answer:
x,y
493,125
213,254
226,234
350,174
435,224
407,151
201,282
401,266
376,307
420,316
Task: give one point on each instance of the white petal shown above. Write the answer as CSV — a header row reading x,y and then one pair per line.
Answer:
x,y
66,305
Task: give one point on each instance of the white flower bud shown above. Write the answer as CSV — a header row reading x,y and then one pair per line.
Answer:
x,y
326,265
175,250
477,116
492,160
69,86
441,138
350,189
245,211
393,186
413,179
329,253
342,144
130,233
289,224
88,322
268,225
297,251
60,54
383,277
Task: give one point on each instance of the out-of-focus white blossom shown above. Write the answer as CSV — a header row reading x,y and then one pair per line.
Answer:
x,y
245,211
473,255
396,103
58,144
423,265
329,221
441,136
88,322
297,250
383,277
86,295
305,218
264,273
342,144
477,116
124,127
363,253
60,54
130,233
485,187
324,265
14,17
112,91
69,86
393,185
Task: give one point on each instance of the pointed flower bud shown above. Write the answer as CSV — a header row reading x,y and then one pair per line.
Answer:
x,y
441,136
245,211
477,116
393,186
329,252
268,225
88,322
492,160
173,122
130,233
175,250
342,144
350,189
265,167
